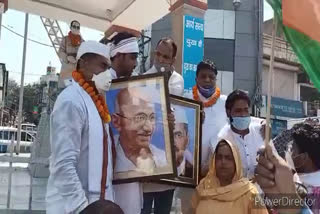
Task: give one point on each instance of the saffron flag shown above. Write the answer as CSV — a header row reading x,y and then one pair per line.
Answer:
x,y
303,16
300,21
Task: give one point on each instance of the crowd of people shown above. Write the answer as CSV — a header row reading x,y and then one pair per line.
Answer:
x,y
239,174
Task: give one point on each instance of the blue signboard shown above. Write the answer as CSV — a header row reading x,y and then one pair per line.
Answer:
x,y
286,108
278,126
193,48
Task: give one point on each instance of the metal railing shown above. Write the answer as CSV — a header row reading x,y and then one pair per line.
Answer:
x,y
283,49
11,207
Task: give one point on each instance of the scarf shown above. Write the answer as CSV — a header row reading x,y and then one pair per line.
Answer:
x,y
75,39
210,188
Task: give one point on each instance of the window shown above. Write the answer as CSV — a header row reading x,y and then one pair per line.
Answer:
x,y
13,135
23,136
5,135
28,149
29,138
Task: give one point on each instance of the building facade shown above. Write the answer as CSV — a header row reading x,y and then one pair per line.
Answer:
x,y
290,80
232,41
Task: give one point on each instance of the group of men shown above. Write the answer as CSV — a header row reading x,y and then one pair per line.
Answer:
x,y
80,170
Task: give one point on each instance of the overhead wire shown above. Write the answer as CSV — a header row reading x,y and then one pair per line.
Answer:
x,y
31,40
30,74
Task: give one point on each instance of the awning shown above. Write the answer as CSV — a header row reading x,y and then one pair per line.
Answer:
x,y
98,14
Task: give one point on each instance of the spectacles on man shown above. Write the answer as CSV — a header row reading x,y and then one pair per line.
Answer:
x,y
76,27
140,118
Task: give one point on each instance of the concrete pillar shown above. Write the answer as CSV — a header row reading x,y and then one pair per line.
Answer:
x,y
179,9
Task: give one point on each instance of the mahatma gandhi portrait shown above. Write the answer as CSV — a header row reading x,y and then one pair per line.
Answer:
x,y
135,121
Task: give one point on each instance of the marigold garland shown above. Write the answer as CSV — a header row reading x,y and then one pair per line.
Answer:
x,y
97,98
75,39
213,99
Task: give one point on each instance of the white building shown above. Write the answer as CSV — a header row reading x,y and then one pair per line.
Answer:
x,y
50,84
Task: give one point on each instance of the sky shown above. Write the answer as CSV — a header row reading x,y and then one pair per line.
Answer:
x,y
40,56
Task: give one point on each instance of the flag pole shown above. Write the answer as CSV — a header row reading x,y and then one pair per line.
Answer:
x,y
270,77
22,82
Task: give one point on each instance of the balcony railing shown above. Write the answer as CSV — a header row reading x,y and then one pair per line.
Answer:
x,y
283,49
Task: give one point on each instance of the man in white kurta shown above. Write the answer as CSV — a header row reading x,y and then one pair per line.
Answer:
x,y
124,50
164,57
76,139
215,117
241,130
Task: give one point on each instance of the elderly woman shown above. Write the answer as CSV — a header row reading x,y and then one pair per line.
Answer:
x,y
224,189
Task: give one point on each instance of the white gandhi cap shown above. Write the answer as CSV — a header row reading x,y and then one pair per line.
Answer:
x,y
93,47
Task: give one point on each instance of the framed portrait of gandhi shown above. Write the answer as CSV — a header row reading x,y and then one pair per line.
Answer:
x,y
139,109
187,140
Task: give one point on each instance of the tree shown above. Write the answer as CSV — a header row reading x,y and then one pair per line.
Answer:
x,y
12,100
30,100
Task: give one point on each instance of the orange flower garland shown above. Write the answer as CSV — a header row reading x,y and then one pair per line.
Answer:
x,y
97,98
75,39
213,99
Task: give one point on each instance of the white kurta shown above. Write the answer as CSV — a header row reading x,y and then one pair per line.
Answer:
x,y
215,119
127,196
175,84
76,139
248,146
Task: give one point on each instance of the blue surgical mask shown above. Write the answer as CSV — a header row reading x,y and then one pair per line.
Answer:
x,y
241,123
206,92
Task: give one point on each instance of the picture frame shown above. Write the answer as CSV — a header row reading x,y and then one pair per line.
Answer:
x,y
139,108
188,170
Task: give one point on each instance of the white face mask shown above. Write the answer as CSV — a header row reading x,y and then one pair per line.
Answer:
x,y
102,81
75,32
